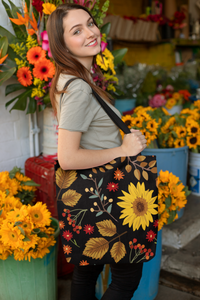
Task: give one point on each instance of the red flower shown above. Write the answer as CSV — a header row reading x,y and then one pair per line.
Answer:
x,y
112,186
88,229
67,235
155,224
38,5
150,236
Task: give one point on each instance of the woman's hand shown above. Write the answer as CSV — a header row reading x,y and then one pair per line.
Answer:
x,y
133,143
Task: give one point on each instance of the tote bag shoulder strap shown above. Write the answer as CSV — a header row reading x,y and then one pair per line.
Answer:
x,y
114,117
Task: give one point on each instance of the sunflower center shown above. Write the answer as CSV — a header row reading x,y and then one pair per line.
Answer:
x,y
128,122
181,132
37,216
194,130
193,140
140,206
13,236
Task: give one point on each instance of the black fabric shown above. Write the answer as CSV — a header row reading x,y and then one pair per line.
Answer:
x,y
108,214
125,280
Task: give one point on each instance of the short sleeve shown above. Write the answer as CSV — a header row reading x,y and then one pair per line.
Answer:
x,y
75,107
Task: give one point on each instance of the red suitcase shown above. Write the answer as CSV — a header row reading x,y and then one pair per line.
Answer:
x,y
42,172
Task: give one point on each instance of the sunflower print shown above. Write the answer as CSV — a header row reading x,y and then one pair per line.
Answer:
x,y
138,206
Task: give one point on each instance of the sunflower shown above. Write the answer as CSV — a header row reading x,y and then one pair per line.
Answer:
x,y
128,120
180,131
44,69
193,141
170,141
197,103
179,143
176,96
137,122
39,214
193,128
35,54
11,235
24,76
138,206
170,103
165,111
152,125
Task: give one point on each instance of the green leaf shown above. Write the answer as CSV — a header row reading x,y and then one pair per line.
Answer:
x,y
6,75
11,38
30,183
109,208
105,28
21,103
32,105
43,234
168,202
100,183
4,46
172,215
26,239
21,229
93,196
14,171
83,176
17,223
102,197
35,231
13,88
46,99
119,55
1,211
99,213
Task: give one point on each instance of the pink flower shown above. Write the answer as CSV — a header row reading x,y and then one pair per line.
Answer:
x,y
45,42
169,87
103,46
88,3
157,101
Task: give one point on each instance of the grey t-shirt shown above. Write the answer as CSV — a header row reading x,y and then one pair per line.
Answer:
x,y
80,111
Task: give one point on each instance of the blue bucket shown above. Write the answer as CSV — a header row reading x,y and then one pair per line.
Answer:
x,y
148,287
124,105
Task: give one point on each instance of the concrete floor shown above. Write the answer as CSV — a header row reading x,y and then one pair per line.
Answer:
x,y
164,293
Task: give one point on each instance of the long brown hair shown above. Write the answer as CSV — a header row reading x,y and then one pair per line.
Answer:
x,y
64,62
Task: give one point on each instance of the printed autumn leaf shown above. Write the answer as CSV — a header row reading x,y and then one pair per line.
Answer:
x,y
102,169
123,158
137,174
154,170
96,248
71,198
94,170
65,178
109,167
112,162
143,164
141,157
106,228
152,163
128,168
68,259
145,175
118,251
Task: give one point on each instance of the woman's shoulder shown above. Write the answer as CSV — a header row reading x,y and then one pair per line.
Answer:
x,y
76,85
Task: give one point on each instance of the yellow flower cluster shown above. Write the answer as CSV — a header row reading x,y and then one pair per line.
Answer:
x,y
172,196
142,120
107,63
25,230
175,100
30,42
18,185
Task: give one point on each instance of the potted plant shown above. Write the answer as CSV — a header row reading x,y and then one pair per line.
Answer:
x,y
28,238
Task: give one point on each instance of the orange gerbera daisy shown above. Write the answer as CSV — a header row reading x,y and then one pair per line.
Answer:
x,y
44,69
67,249
34,54
24,76
118,174
83,263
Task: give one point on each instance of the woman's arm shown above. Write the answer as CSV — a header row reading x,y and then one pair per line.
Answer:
x,y
72,157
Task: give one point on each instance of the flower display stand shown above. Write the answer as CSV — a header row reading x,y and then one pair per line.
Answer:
x,y
174,160
148,287
34,280
124,105
194,173
175,109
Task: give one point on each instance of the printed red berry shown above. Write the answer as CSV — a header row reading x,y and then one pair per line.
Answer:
x,y
131,246
78,232
69,215
68,211
73,225
135,247
63,214
151,254
134,240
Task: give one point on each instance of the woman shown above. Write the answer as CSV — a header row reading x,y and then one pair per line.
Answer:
x,y
87,137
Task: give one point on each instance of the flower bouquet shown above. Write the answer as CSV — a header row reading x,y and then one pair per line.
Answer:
x,y
172,196
26,231
29,53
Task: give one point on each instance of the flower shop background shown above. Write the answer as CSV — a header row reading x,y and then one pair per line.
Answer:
x,y
14,126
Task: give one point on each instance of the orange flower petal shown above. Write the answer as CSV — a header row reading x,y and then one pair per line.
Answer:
x,y
44,69
24,76
3,58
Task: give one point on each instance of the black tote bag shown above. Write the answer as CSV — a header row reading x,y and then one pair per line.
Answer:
x,y
108,214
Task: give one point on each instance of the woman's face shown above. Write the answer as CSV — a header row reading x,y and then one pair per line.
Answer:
x,y
81,36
